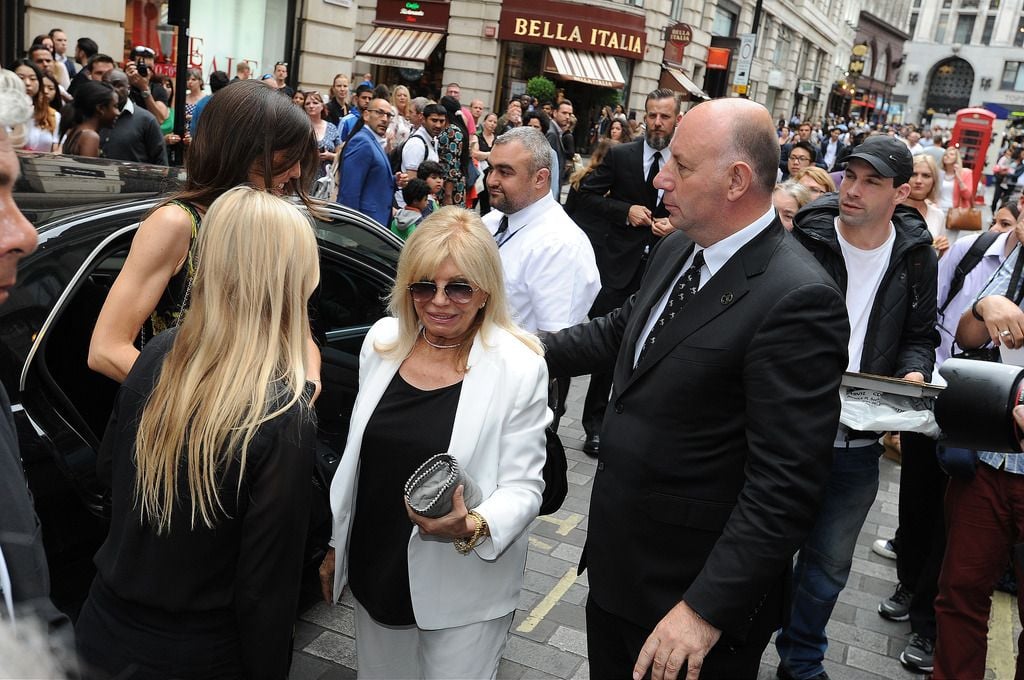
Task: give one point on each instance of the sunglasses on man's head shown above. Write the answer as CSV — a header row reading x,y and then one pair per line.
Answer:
x,y
424,291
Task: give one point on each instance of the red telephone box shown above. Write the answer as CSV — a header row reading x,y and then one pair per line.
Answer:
x,y
972,132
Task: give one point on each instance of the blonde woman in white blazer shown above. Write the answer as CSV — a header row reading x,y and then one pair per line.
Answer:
x,y
447,372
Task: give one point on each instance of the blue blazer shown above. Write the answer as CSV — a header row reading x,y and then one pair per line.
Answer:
x,y
366,180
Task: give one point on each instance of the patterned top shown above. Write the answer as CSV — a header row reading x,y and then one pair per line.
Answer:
x,y
449,153
329,142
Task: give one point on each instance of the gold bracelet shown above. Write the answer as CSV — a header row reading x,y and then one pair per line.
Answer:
x,y
466,545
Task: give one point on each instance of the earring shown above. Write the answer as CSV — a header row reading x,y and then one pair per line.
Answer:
x,y
484,304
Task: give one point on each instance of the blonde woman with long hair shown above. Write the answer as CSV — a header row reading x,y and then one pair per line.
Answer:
x,y
448,371
209,453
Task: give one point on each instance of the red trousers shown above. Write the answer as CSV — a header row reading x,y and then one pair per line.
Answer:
x,y
985,518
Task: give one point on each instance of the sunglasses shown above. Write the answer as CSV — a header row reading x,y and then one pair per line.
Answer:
x,y
424,291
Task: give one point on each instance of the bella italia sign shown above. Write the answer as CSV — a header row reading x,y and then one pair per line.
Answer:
x,y
556,24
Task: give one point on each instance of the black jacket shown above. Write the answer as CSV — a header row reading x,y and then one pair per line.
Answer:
x,y
901,335
702,493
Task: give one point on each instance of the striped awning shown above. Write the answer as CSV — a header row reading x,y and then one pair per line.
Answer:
x,y
685,83
399,47
591,68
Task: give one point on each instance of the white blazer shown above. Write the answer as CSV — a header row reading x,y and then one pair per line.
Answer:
x,y
498,439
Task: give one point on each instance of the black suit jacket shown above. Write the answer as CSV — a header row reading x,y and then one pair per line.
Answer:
x,y
716,449
610,190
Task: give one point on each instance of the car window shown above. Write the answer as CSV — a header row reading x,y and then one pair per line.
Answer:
x,y
371,245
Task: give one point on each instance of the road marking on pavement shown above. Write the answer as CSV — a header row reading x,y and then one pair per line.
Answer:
x,y
1000,637
548,603
564,525
537,543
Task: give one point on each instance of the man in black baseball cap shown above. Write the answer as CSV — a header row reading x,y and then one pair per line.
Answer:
x,y
887,155
880,254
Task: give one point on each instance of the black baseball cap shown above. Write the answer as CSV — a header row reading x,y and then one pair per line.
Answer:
x,y
887,155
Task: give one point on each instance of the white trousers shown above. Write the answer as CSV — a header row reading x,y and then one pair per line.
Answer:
x,y
410,653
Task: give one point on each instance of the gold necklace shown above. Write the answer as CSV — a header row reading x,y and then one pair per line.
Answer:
x,y
423,332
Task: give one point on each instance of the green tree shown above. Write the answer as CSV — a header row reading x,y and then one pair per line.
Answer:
x,y
541,88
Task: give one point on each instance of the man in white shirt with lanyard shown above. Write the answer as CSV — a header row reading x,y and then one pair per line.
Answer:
x,y
550,272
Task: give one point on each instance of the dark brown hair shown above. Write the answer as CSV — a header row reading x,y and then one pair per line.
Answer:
x,y
220,158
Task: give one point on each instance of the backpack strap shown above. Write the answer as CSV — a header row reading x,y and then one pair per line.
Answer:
x,y
969,261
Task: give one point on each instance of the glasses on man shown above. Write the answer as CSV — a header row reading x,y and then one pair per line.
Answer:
x,y
800,158
424,291
386,114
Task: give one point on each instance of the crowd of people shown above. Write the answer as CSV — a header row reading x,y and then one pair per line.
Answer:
x,y
692,259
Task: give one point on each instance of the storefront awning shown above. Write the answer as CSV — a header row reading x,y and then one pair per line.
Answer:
x,y
591,68
399,47
684,82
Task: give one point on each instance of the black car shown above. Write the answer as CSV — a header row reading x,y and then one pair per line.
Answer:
x,y
86,212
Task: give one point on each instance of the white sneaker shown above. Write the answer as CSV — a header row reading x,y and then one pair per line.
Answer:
x,y
884,547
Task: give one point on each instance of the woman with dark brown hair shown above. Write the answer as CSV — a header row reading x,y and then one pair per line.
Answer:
x,y
41,130
278,154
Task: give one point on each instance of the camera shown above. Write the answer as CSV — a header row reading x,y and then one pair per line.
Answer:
x,y
140,66
975,410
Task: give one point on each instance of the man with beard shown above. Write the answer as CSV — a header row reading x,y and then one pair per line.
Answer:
x,y
622,189
551,276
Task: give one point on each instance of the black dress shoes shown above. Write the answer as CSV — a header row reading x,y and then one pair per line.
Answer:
x,y
592,446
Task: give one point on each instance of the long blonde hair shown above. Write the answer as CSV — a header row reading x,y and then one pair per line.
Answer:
x,y
459,235
239,359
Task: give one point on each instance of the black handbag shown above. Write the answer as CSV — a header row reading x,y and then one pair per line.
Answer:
x,y
556,483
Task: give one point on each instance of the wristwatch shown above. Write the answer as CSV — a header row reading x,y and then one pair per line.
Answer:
x,y
145,94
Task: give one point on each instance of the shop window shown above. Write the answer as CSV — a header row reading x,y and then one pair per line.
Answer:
x,y
1013,76
993,4
1018,37
964,28
969,4
946,4
917,4
677,10
986,34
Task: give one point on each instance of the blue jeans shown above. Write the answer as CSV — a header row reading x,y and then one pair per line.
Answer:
x,y
824,561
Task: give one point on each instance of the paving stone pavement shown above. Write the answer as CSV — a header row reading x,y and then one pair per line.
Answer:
x,y
548,632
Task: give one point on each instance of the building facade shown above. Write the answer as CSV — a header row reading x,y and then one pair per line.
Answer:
x,y
793,56
964,53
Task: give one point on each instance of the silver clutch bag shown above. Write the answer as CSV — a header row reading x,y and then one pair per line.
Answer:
x,y
430,488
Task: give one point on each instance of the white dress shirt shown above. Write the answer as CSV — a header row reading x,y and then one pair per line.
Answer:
x,y
551,275
715,257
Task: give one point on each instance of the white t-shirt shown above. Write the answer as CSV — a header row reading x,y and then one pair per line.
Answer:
x,y
864,271
946,191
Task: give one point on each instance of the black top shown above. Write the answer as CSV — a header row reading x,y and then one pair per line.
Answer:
x,y
245,571
408,426
335,111
174,301
484,146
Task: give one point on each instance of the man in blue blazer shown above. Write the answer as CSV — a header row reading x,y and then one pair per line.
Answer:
x,y
366,180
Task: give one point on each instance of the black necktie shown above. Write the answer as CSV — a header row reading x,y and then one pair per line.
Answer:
x,y
685,288
652,191
502,234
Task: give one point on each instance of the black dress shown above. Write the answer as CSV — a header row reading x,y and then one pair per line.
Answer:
x,y
484,201
408,426
200,602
